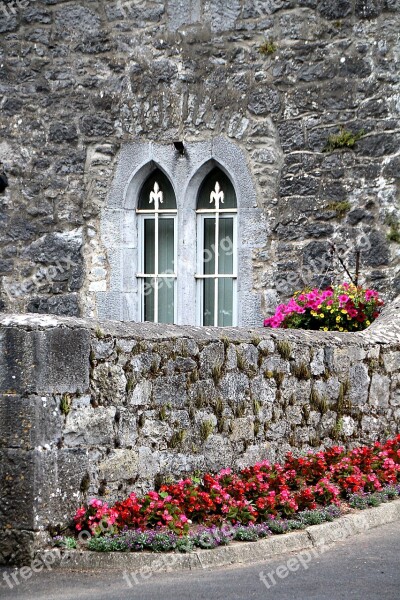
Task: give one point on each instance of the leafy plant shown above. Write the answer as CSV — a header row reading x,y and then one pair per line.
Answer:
x,y
177,438
267,47
284,349
340,208
206,429
394,233
65,404
343,139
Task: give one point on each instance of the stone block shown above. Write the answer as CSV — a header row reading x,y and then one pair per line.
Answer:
x,y
234,387
109,383
359,384
212,355
170,390
29,422
391,361
87,426
263,390
379,390
119,466
55,360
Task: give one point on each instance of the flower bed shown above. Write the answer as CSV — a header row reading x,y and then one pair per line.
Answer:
x,y
258,500
343,307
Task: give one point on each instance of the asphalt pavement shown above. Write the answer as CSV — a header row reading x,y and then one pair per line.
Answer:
x,y
365,567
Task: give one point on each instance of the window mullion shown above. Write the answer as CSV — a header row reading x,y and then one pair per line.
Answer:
x,y
156,263
216,260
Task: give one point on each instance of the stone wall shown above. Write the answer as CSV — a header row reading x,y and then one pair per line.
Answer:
x,y
82,80
102,409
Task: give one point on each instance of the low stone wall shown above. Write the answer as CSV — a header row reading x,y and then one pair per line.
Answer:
x,y
102,409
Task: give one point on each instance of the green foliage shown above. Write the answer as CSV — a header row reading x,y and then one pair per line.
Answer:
x,y
130,384
256,406
206,429
240,410
218,408
162,414
301,371
343,139
284,349
337,429
65,404
193,376
217,374
267,47
200,401
340,208
317,403
279,377
177,438
65,542
99,333
394,233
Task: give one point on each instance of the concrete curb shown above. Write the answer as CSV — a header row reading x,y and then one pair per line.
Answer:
x,y
315,536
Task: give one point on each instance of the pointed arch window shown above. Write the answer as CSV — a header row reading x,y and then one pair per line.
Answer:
x,y
217,251
157,215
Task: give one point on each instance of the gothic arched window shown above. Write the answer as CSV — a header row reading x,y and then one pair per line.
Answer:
x,y
217,252
157,215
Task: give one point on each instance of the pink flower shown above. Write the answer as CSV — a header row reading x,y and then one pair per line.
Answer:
x,y
370,294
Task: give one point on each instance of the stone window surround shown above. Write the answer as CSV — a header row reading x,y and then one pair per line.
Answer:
x,y
119,229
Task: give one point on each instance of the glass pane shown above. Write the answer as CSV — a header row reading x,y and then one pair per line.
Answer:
x,y
148,299
165,187
149,246
225,302
209,247
166,246
166,295
208,302
208,186
225,250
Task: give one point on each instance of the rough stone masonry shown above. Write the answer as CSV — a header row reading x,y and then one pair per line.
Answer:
x,y
81,80
92,409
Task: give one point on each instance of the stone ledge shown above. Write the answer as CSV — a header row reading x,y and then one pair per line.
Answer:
x,y
385,330
315,536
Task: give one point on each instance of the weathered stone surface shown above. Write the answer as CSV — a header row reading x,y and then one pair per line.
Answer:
x,y
65,305
51,361
86,426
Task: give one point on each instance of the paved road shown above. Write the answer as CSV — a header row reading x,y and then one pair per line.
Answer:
x,y
366,567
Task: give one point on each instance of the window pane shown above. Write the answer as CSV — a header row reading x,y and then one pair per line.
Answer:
x,y
209,247
148,299
166,294
208,300
149,246
164,185
166,246
225,249
209,186
225,302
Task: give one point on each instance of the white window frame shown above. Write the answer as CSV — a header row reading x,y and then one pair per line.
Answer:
x,y
217,213
156,214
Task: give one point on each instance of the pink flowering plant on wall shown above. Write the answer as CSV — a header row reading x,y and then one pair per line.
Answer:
x,y
343,307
